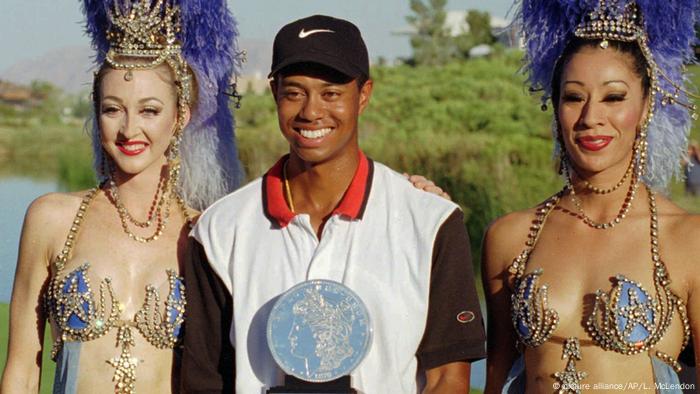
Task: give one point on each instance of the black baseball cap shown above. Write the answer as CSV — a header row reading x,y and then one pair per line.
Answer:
x,y
332,42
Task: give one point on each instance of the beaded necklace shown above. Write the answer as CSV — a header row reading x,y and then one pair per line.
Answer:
x,y
72,307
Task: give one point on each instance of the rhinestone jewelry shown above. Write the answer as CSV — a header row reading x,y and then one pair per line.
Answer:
x,y
125,364
621,182
531,317
605,24
610,324
147,31
639,158
624,209
570,379
161,216
159,328
156,205
70,304
654,315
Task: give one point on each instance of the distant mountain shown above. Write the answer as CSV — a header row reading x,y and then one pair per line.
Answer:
x,y
68,68
71,68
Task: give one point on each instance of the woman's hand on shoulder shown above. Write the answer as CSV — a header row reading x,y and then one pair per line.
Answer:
x,y
425,184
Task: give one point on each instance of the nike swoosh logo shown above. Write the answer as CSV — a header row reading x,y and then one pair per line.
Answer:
x,y
304,34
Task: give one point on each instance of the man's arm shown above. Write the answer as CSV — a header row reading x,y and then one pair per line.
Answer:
x,y
208,363
454,333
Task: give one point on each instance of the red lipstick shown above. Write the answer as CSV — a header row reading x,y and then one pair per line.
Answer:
x,y
593,142
122,146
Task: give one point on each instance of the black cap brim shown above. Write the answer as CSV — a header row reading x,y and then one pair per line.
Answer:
x,y
318,58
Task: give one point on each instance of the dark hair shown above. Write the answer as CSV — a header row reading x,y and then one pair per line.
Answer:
x,y
639,62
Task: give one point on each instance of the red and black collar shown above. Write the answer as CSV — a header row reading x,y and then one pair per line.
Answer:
x,y
352,205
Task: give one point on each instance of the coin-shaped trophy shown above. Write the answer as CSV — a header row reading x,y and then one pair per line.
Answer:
x,y
318,331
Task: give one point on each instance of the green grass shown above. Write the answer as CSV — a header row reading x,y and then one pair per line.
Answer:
x,y
48,365
45,151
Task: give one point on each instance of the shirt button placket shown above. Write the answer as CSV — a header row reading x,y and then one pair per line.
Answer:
x,y
321,264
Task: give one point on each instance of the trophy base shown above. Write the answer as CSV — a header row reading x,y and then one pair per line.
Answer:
x,y
298,386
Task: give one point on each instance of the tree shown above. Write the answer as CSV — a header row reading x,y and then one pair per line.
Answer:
x,y
480,27
479,32
43,90
431,41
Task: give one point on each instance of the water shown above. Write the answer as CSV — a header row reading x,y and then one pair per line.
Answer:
x,y
16,193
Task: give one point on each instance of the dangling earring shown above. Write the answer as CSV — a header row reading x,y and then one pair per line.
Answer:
x,y
174,172
173,154
640,152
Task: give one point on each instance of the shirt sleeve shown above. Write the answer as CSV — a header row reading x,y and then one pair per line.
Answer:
x,y
208,363
455,329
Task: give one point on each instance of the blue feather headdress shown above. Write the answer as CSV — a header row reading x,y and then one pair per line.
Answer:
x,y
665,32
206,40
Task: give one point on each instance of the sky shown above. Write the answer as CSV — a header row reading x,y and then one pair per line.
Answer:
x,y
31,28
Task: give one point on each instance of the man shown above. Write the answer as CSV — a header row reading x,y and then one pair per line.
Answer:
x,y
326,211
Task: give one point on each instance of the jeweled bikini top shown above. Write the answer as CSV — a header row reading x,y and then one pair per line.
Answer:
x,y
72,305
627,319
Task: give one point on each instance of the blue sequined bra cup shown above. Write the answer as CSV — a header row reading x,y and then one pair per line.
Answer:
x,y
627,319
82,314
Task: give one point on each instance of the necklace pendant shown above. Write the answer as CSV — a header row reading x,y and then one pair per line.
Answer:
x,y
569,381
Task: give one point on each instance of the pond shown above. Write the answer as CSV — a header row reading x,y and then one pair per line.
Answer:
x,y
16,193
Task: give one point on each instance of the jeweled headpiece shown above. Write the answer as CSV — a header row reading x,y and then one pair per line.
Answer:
x,y
198,40
665,33
144,36
147,30
607,24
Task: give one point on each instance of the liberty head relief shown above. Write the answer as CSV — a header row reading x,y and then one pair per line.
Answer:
x,y
321,330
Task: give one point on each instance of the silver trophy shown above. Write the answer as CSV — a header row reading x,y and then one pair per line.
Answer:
x,y
318,332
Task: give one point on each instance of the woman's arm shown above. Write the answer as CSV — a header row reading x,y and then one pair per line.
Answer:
x,y
27,318
497,252
692,245
450,378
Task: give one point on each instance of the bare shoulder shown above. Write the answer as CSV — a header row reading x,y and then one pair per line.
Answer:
x,y
53,207
684,236
47,217
51,213
679,236
505,238
516,221
681,225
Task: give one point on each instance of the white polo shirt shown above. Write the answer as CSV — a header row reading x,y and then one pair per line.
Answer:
x,y
384,241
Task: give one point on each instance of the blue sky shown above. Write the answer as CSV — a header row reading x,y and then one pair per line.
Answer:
x,y
30,28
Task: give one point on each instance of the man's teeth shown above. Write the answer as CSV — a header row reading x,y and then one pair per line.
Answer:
x,y
315,133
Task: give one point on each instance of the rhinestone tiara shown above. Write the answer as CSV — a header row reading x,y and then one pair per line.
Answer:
x,y
143,36
608,22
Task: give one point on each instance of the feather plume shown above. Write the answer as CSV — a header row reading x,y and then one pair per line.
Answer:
x,y
210,166
548,26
